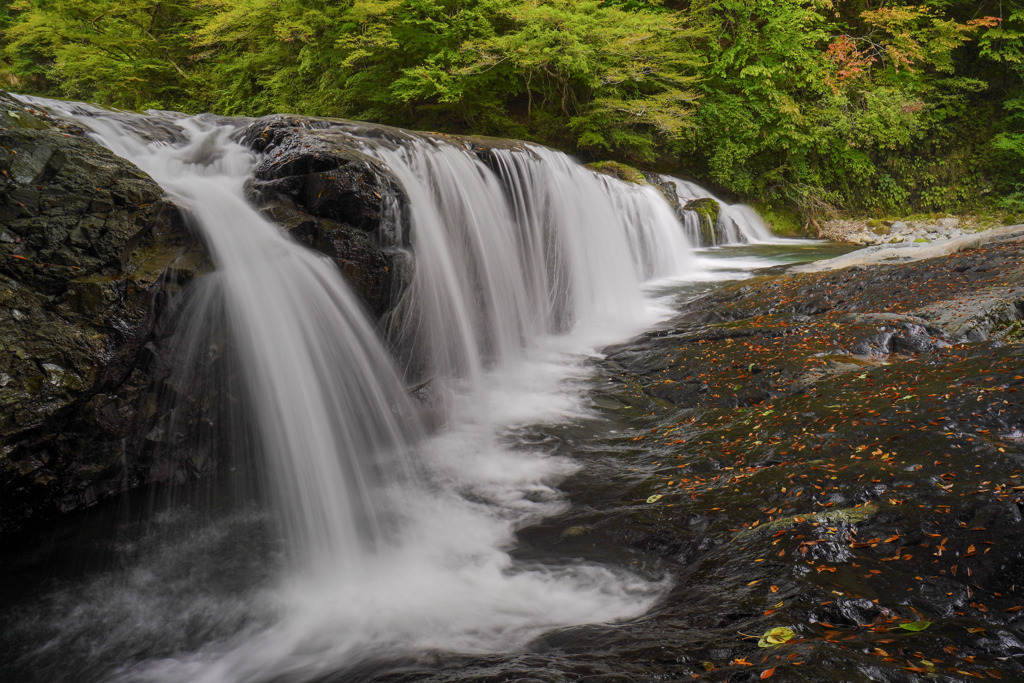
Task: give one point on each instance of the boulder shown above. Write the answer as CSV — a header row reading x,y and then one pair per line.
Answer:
x,y
90,255
708,211
315,182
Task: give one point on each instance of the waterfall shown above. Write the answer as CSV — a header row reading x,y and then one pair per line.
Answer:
x,y
322,391
540,246
737,223
524,263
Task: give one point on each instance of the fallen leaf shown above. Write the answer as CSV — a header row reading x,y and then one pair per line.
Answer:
x,y
915,625
776,636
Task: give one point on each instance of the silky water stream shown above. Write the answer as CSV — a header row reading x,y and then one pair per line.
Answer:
x,y
382,548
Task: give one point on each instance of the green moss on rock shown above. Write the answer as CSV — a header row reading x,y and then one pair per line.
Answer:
x,y
707,209
618,170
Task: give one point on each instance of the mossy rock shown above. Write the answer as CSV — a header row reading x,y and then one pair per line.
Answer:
x,y
619,170
1012,333
708,209
849,516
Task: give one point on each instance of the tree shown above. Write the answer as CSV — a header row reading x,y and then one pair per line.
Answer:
x,y
126,53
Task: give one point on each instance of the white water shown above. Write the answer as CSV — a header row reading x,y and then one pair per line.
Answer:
x,y
503,259
323,391
399,543
737,223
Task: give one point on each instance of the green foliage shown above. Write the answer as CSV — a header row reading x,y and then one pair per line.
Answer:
x,y
805,105
824,104
584,73
126,53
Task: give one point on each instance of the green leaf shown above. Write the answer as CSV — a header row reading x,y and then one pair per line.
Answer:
x,y
915,625
655,498
776,636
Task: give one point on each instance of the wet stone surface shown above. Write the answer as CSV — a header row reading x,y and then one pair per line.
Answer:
x,y
91,254
314,182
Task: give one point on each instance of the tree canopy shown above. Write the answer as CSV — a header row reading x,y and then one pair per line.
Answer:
x,y
817,105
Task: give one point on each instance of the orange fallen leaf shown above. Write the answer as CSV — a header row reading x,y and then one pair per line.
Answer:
x,y
767,673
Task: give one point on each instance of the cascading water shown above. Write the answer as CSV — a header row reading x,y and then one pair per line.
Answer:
x,y
504,258
737,223
400,542
323,392
608,236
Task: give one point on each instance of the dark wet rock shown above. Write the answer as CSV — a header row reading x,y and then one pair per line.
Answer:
x,y
315,182
899,335
90,253
836,453
666,187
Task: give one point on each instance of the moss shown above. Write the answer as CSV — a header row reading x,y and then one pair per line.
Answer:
x,y
708,210
783,221
618,170
1012,333
851,515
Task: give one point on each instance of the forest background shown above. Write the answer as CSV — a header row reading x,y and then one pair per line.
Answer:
x,y
808,108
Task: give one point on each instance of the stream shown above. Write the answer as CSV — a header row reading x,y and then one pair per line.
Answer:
x,y
575,446
110,599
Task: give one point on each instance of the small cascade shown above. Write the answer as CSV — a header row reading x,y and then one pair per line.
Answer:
x,y
736,223
518,244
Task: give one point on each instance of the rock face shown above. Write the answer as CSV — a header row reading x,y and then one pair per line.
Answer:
x,y
875,231
90,252
330,196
